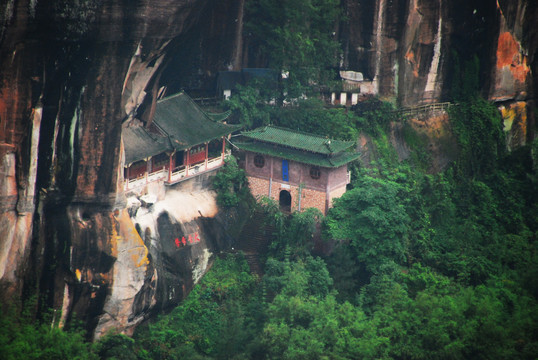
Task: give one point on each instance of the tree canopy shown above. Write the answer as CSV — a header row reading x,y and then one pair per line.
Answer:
x,y
297,38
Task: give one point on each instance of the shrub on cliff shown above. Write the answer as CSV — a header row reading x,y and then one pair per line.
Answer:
x,y
22,337
230,183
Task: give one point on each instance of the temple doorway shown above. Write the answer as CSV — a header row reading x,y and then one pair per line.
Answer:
x,y
284,201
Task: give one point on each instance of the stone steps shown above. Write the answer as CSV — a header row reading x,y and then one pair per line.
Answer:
x,y
254,263
254,240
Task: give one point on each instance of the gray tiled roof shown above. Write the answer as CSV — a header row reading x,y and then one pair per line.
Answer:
x,y
186,123
139,144
178,124
298,140
301,156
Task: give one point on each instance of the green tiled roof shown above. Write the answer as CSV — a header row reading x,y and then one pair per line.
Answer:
x,y
178,124
323,160
186,123
298,140
139,144
219,116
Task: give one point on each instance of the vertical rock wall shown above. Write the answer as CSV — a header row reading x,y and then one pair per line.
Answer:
x,y
70,73
407,44
513,75
409,48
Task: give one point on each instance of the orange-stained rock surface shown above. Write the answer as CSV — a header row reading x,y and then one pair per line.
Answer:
x,y
509,54
129,274
516,123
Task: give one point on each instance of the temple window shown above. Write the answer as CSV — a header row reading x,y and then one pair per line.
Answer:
x,y
315,172
259,161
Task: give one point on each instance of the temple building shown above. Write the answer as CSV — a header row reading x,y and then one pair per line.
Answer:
x,y
181,141
297,169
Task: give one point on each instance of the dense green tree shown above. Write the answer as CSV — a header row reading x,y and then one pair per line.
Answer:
x,y
230,184
115,347
373,218
477,126
296,37
310,115
312,328
211,322
22,337
250,106
302,277
374,116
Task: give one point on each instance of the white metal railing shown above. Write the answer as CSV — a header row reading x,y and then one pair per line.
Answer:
x,y
157,175
178,173
422,109
146,179
213,163
132,182
197,169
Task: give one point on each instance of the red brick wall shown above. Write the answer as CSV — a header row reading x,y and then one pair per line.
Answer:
x,y
338,177
298,172
314,191
313,198
336,193
310,197
258,187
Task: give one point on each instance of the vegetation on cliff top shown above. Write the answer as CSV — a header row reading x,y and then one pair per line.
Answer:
x,y
424,266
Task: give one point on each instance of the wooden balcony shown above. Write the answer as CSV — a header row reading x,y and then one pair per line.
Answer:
x,y
177,174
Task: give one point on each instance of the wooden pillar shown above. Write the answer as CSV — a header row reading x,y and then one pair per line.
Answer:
x,y
147,169
271,178
128,176
327,191
170,167
223,148
206,154
187,162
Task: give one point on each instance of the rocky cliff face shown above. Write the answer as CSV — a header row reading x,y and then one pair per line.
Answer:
x,y
72,72
415,49
409,45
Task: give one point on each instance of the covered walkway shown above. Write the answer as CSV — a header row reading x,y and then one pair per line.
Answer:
x,y
182,141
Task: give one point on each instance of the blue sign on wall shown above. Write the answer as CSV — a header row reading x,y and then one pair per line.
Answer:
x,y
285,171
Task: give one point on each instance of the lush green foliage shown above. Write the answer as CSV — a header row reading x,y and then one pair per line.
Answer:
x,y
372,216
374,116
230,184
426,267
212,321
22,338
250,106
478,127
311,116
295,36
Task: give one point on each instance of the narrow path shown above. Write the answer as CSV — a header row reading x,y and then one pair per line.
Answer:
x,y
254,241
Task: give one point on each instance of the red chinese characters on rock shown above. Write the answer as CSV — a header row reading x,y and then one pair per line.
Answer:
x,y
190,239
